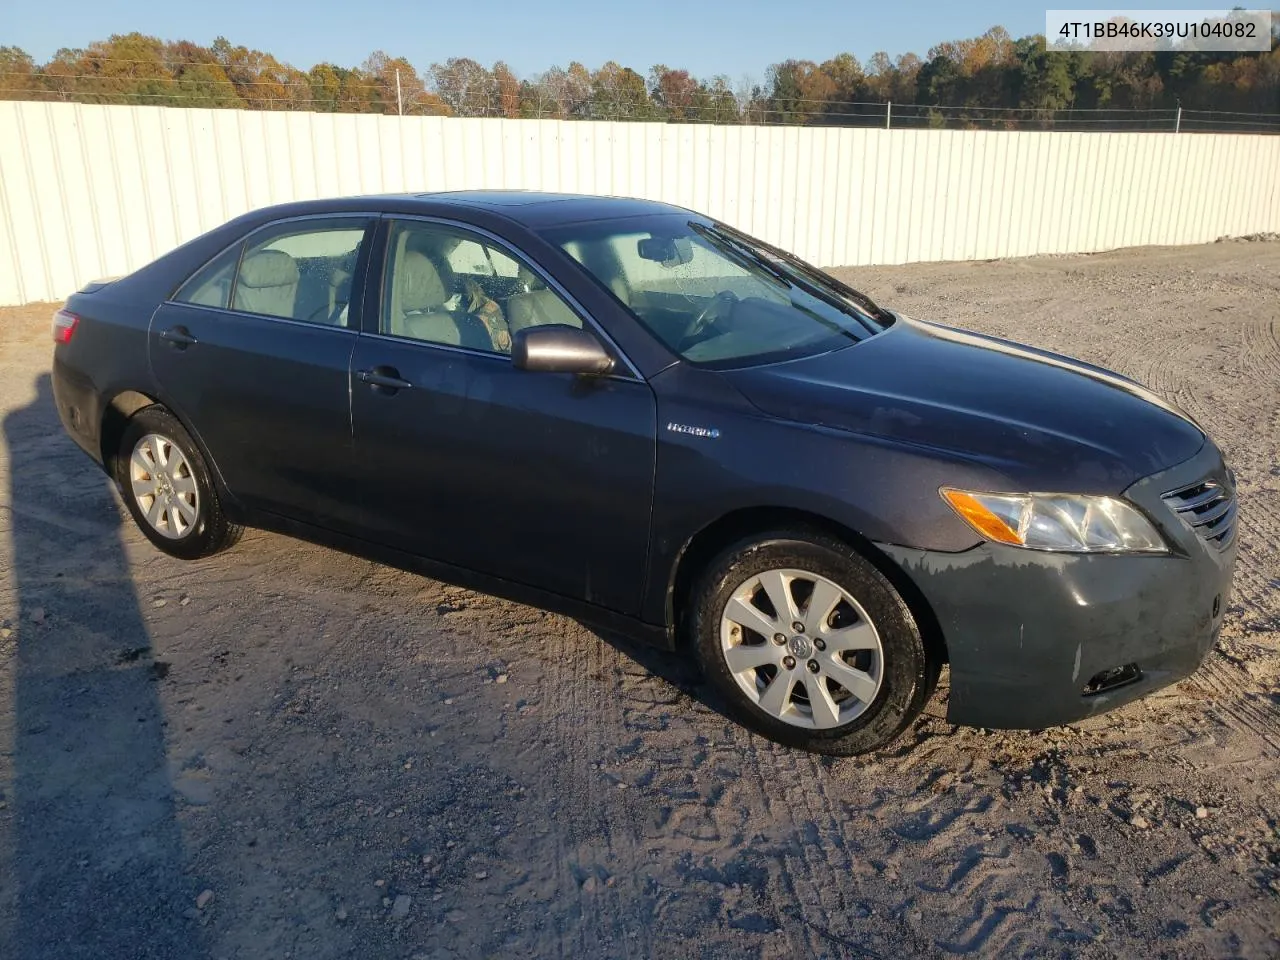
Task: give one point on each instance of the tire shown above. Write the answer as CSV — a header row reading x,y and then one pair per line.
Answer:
x,y
892,669
185,519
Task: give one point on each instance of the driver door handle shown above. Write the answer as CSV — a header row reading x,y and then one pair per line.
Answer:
x,y
383,379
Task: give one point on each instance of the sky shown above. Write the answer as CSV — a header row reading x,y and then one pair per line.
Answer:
x,y
707,37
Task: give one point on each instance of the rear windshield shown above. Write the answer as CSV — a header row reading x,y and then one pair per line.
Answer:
x,y
714,295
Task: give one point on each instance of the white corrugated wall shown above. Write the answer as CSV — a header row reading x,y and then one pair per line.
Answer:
x,y
89,191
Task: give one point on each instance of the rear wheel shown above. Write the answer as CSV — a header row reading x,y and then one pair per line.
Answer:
x,y
810,645
166,485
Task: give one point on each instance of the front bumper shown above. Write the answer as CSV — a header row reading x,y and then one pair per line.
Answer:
x,y
1026,631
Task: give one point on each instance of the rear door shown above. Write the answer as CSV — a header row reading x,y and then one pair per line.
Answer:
x,y
253,353
544,479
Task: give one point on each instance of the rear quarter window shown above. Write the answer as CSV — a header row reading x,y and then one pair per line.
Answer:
x,y
210,286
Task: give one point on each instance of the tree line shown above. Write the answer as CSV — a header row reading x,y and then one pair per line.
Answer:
x,y
990,80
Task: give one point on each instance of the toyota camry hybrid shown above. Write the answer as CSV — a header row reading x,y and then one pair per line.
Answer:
x,y
643,418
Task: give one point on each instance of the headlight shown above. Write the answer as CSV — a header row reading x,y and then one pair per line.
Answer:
x,y
1057,521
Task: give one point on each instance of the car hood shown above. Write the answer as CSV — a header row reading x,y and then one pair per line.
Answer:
x,y
1044,421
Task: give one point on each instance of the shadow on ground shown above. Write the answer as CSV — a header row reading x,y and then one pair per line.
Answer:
x,y
97,853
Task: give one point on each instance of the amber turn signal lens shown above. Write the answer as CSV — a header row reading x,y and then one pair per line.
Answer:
x,y
980,518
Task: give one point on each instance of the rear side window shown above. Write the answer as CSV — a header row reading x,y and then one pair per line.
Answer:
x,y
297,270
211,285
301,271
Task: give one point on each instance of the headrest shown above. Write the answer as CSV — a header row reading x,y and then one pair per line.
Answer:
x,y
268,268
528,279
418,282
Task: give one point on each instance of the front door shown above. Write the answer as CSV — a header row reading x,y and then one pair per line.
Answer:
x,y
539,478
254,353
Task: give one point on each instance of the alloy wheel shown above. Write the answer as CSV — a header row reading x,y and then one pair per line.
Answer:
x,y
801,648
164,486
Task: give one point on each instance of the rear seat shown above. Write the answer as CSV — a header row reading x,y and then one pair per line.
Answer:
x,y
267,283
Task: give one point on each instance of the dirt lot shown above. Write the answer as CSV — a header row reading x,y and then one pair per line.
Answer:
x,y
287,752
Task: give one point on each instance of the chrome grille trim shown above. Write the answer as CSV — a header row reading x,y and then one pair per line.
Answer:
x,y
1211,493
1208,507
1216,511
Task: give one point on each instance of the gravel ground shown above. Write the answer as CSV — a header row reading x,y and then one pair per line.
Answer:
x,y
287,752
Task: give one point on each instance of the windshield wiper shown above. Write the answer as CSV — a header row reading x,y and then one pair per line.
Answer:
x,y
739,251
744,257
813,276
796,276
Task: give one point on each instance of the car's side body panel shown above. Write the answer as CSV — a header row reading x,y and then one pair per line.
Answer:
x,y
269,400
545,479
718,454
267,397
107,356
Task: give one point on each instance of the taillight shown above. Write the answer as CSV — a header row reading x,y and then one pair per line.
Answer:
x,y
64,326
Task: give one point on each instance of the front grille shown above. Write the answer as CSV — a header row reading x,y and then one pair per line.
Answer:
x,y
1209,508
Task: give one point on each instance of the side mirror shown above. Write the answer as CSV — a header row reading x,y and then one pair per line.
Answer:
x,y
559,348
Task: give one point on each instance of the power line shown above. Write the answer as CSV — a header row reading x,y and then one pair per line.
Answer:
x,y
761,117
728,109
1233,113
306,81
828,107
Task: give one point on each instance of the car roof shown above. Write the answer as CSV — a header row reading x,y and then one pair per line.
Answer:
x,y
540,209
535,210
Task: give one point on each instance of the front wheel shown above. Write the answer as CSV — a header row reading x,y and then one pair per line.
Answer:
x,y
810,645
167,487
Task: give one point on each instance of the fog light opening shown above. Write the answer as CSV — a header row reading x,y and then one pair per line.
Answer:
x,y
1106,680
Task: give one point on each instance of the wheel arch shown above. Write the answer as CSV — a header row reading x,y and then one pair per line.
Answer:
x,y
116,414
739,524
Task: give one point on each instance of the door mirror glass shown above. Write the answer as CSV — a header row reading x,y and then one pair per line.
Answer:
x,y
558,348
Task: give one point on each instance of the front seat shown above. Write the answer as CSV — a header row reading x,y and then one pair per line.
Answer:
x,y
340,290
537,306
419,308
267,283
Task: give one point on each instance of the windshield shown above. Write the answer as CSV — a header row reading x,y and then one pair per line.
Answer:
x,y
716,296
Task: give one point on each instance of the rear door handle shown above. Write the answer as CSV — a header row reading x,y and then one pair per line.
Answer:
x,y
383,379
179,337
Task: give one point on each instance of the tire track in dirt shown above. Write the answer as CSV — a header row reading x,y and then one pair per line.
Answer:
x,y
811,886
1244,709
597,835
930,822
1262,348
710,804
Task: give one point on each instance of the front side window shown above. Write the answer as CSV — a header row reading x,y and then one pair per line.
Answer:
x,y
715,296
300,271
447,286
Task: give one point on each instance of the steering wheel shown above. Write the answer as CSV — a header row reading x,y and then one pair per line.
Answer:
x,y
709,315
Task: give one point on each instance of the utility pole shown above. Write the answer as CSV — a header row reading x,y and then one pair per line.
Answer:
x,y
399,101
888,114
